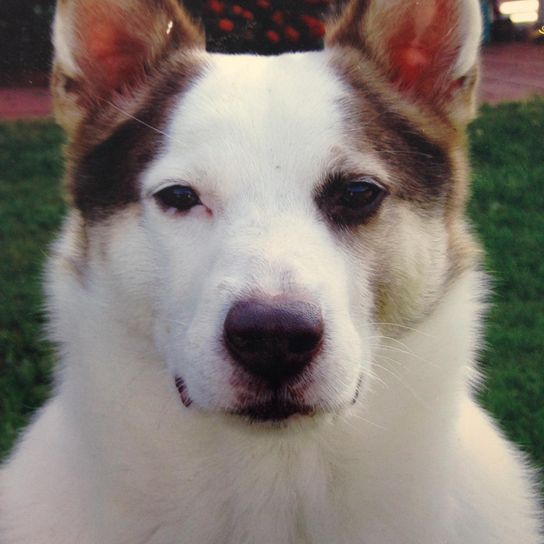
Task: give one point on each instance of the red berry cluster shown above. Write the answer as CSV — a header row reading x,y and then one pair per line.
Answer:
x,y
264,26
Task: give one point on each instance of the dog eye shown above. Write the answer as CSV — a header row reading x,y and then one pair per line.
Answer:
x,y
351,203
178,197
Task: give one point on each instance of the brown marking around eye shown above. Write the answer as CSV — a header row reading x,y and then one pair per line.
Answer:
x,y
418,161
425,155
113,146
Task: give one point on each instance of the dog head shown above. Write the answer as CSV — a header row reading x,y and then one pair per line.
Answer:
x,y
264,219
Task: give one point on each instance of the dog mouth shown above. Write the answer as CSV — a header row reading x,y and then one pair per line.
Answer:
x,y
274,409
183,394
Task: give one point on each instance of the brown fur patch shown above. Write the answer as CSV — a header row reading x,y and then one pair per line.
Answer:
x,y
110,47
426,159
415,45
118,40
413,145
346,28
113,144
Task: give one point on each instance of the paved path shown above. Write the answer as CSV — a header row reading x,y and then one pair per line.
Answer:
x,y
510,72
25,103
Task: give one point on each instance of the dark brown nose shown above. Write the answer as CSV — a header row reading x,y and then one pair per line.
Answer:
x,y
273,338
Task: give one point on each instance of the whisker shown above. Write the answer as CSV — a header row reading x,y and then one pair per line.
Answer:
x,y
391,339
138,120
373,377
398,325
391,360
366,420
408,388
409,353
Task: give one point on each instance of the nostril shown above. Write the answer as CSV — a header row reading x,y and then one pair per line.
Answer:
x,y
303,343
247,340
274,338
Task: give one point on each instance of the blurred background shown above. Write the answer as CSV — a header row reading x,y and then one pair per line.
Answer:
x,y
512,28
507,205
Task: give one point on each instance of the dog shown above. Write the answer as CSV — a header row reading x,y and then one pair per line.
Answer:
x,y
266,297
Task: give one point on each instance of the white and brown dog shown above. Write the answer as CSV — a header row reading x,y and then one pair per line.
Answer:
x,y
266,296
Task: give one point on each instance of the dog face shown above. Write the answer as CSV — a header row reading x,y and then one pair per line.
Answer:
x,y
264,220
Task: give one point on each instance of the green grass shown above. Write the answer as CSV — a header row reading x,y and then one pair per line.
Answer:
x,y
507,209
30,212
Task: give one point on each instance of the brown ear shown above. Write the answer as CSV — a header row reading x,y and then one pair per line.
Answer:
x,y
428,49
107,47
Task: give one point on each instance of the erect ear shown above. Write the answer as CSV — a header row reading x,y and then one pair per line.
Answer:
x,y
107,47
427,48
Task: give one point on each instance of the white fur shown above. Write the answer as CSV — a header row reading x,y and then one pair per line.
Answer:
x,y
115,458
63,41
470,25
417,462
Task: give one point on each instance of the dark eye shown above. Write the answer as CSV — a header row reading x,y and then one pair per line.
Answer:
x,y
350,203
179,197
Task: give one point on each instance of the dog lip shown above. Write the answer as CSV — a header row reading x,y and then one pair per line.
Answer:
x,y
357,390
274,410
271,411
183,394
